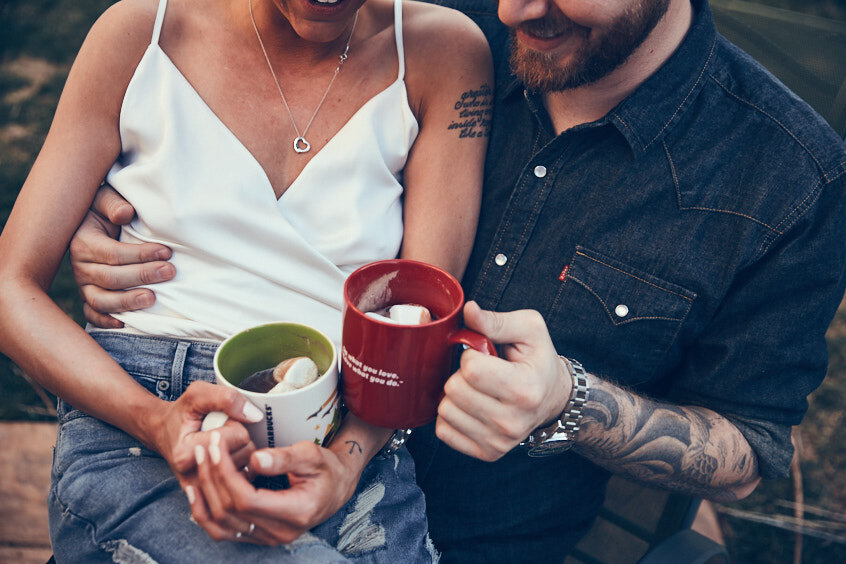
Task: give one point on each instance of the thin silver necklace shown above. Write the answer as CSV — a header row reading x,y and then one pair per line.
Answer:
x,y
300,143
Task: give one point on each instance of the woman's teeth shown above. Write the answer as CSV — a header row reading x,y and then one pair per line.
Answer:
x,y
326,1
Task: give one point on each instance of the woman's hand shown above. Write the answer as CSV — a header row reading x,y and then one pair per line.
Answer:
x,y
175,432
229,507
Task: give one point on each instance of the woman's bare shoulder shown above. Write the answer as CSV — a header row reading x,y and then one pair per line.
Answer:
x,y
444,50
118,39
436,36
440,28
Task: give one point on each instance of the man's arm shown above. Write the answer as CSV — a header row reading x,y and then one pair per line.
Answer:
x,y
492,404
692,450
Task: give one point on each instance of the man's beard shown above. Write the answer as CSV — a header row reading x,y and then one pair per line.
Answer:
x,y
595,57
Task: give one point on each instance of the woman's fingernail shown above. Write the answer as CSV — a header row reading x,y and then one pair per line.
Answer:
x,y
199,454
191,518
252,413
189,492
214,454
265,459
144,300
162,254
214,439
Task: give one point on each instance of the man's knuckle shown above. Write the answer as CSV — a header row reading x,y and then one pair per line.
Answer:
x,y
535,319
111,255
127,301
96,302
78,249
146,276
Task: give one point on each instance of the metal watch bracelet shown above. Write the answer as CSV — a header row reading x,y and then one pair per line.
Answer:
x,y
563,430
394,443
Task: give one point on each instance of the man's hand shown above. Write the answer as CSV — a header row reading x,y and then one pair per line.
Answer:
x,y
492,404
104,268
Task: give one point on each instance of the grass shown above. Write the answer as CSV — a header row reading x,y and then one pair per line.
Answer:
x,y
38,40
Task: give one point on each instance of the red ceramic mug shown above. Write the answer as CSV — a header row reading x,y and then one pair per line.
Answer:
x,y
393,375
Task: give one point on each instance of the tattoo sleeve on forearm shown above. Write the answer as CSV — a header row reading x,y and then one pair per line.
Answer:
x,y
687,449
473,111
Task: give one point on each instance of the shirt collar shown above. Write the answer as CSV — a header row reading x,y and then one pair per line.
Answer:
x,y
650,111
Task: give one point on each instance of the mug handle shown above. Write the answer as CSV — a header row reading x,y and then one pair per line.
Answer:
x,y
473,340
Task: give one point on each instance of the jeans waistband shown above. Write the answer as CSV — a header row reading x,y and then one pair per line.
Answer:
x,y
171,363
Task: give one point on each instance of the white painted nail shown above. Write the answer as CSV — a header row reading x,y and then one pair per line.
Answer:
x,y
265,459
189,491
252,413
214,453
199,454
214,439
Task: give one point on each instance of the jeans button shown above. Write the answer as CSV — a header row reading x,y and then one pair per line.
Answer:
x,y
163,385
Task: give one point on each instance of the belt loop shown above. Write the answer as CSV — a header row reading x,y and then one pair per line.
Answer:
x,y
178,368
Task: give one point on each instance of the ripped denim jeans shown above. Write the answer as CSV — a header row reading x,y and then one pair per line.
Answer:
x,y
114,500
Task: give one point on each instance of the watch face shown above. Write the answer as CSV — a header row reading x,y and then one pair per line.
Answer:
x,y
551,447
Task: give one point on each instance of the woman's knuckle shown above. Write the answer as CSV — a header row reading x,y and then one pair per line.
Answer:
x,y
243,505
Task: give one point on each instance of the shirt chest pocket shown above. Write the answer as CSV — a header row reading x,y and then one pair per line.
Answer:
x,y
625,319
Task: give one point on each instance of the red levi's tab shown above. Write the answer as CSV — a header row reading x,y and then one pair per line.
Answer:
x,y
563,275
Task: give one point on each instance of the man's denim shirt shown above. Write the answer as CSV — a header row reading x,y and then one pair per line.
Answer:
x,y
691,244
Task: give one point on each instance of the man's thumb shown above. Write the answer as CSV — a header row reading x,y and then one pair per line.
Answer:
x,y
504,327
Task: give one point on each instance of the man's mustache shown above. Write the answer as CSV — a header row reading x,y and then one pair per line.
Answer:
x,y
552,24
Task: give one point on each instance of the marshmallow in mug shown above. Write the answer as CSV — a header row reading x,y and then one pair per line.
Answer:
x,y
289,375
403,314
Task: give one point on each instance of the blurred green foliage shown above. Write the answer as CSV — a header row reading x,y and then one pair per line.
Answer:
x,y
49,32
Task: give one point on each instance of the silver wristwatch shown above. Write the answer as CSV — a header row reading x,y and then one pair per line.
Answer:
x,y
394,443
558,437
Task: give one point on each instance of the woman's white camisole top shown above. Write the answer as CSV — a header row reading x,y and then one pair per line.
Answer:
x,y
242,257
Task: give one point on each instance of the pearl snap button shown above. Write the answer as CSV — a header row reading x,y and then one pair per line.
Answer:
x,y
500,259
621,310
540,171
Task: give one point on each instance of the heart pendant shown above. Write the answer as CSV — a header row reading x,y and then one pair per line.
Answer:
x,y
301,145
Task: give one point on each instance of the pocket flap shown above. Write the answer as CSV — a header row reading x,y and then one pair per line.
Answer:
x,y
627,294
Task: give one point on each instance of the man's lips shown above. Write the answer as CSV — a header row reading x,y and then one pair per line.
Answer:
x,y
545,44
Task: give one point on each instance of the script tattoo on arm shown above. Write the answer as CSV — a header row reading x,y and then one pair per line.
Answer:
x,y
473,111
691,450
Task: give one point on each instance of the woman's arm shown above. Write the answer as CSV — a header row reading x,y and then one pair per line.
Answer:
x,y
450,84
80,147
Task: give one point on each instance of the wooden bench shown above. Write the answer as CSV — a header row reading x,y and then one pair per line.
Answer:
x,y
26,453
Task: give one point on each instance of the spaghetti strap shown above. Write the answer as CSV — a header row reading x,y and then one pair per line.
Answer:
x,y
157,27
398,32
